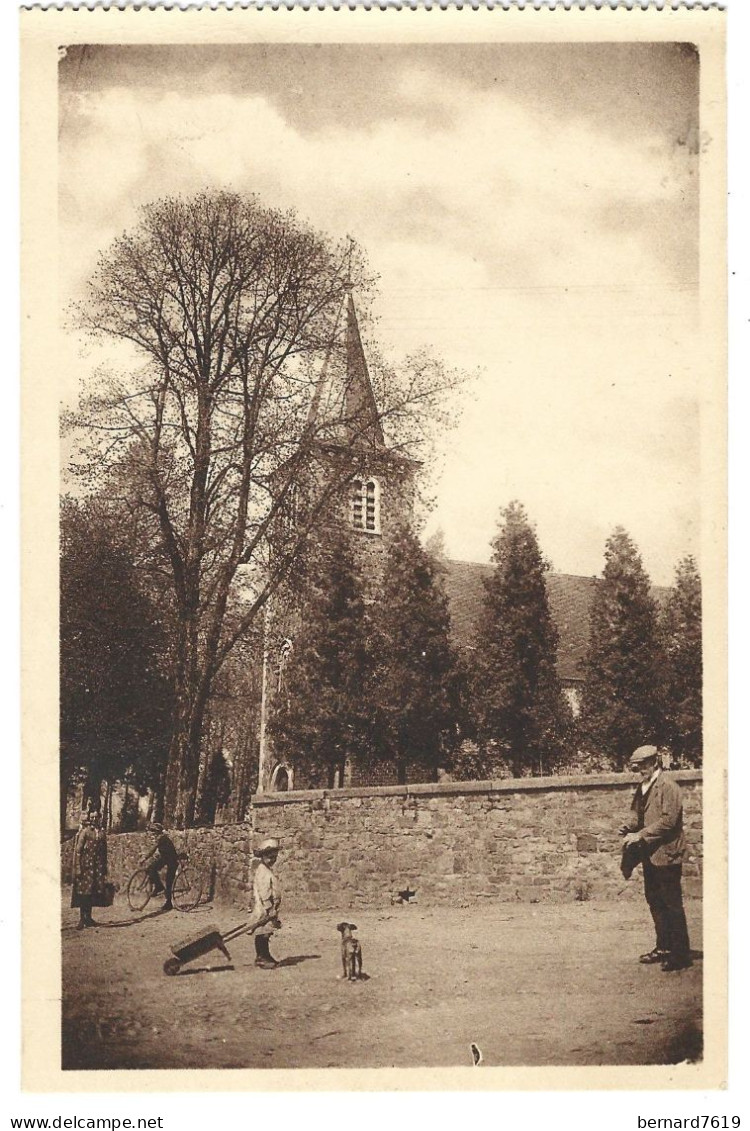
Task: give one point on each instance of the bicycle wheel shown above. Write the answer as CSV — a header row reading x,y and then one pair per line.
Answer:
x,y
188,888
140,890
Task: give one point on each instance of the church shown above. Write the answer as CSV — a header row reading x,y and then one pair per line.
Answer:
x,y
377,497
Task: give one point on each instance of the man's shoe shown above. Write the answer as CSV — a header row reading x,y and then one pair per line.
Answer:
x,y
670,964
80,925
168,906
266,963
654,956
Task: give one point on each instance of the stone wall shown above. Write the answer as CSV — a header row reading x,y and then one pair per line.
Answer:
x,y
462,842
531,839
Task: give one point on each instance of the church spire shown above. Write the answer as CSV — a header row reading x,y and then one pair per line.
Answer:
x,y
343,404
360,407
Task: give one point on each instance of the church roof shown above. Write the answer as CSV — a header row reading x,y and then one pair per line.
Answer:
x,y
569,597
344,409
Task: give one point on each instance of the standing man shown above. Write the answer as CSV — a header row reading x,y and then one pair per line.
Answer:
x,y
655,829
164,855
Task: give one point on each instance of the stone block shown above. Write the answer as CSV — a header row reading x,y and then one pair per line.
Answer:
x,y
527,894
587,842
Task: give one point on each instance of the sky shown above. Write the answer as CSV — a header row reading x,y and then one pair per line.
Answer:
x,y
531,211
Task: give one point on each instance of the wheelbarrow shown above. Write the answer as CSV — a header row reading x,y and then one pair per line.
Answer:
x,y
210,938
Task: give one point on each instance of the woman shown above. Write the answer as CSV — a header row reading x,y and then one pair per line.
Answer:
x,y
89,867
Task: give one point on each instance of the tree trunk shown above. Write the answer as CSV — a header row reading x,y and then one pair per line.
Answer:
x,y
107,815
182,769
125,815
156,803
191,698
64,794
92,791
178,757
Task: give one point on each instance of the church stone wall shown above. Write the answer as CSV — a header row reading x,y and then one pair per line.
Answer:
x,y
530,839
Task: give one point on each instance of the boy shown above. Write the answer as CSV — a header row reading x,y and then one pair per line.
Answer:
x,y
266,903
165,855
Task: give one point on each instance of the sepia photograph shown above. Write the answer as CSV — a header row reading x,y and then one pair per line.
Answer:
x,y
388,519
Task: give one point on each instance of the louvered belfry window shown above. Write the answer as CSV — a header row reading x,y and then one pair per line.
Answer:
x,y
370,515
358,521
365,506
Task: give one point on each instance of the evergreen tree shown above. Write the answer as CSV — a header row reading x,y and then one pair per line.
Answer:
x,y
620,705
415,702
318,715
114,689
683,666
518,701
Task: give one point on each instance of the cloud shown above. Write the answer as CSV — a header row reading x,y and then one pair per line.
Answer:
x,y
555,251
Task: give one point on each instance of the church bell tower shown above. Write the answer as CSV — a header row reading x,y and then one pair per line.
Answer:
x,y
375,499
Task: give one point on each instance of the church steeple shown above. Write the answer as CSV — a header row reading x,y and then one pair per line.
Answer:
x,y
358,485
360,407
343,408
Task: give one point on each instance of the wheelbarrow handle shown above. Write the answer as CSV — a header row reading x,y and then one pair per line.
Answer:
x,y
234,932
250,927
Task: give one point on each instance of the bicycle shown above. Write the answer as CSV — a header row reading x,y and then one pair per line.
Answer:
x,y
186,891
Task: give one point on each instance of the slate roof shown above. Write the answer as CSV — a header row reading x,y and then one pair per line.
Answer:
x,y
569,599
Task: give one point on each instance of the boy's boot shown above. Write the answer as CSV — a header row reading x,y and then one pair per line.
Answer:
x,y
263,956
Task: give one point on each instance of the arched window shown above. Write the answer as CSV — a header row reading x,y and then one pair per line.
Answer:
x,y
365,505
282,778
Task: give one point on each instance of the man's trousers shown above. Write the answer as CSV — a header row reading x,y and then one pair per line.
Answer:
x,y
663,891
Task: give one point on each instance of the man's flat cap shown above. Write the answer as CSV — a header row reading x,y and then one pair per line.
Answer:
x,y
643,754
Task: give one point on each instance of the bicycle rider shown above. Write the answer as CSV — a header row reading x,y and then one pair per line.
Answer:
x,y
164,855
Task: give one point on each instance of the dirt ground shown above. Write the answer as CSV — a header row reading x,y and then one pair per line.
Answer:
x,y
544,984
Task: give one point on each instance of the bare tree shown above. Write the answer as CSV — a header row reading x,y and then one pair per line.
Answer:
x,y
230,310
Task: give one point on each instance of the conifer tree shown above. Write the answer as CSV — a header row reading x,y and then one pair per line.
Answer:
x,y
414,688
319,714
518,701
620,705
114,690
683,665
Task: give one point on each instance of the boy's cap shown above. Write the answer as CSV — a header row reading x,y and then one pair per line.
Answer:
x,y
270,844
643,754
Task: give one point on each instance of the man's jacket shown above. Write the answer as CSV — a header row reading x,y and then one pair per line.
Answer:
x,y
659,815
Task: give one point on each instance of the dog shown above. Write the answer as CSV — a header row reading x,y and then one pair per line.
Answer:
x,y
351,952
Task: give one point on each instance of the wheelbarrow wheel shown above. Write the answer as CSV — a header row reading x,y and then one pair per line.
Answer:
x,y
140,890
172,966
188,888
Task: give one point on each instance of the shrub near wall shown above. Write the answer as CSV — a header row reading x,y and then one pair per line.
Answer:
x,y
462,842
